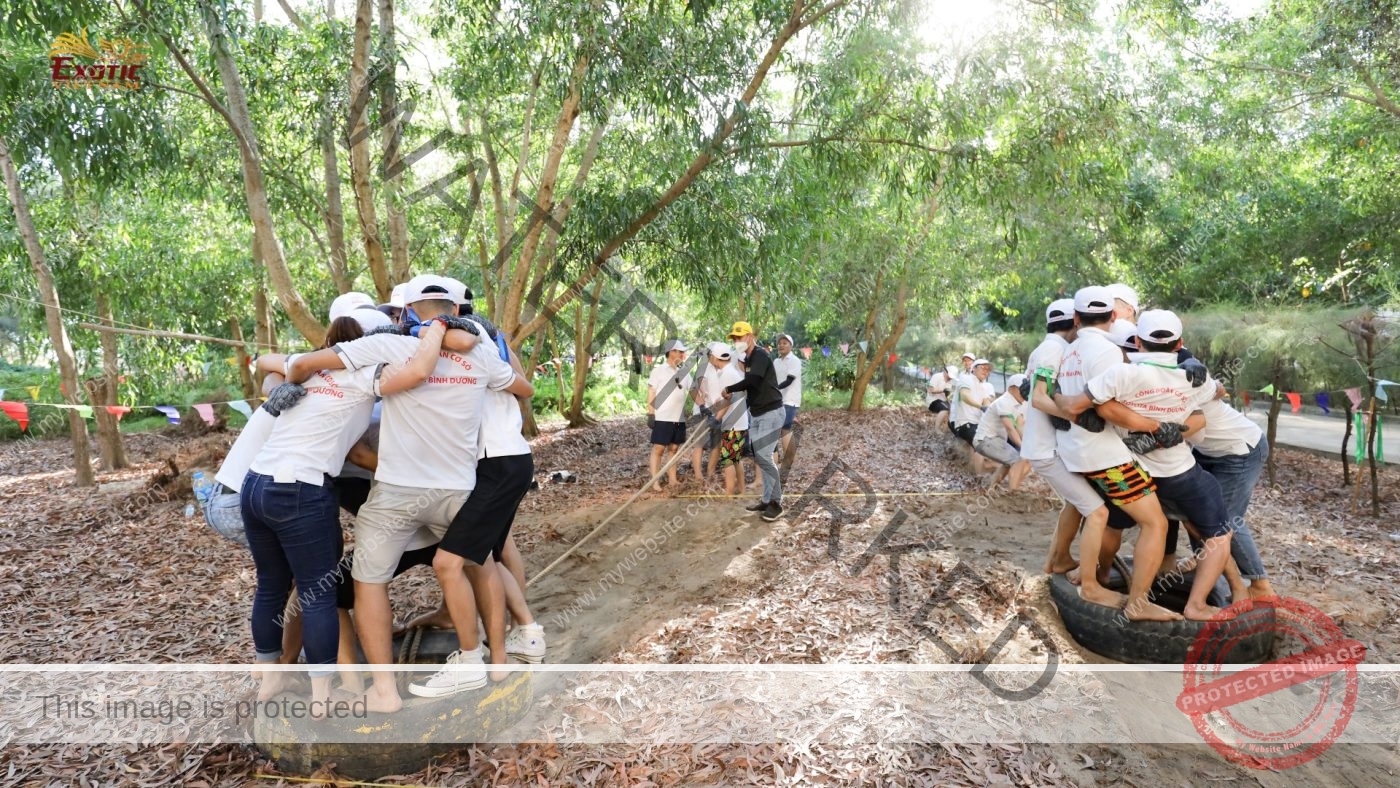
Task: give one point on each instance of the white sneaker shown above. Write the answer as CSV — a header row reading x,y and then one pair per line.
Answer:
x,y
464,671
526,643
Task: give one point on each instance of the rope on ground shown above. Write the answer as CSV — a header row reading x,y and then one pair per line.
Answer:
x,y
695,436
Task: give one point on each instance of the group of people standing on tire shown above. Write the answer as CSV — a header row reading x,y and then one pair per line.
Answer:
x,y
744,397
1130,430
408,418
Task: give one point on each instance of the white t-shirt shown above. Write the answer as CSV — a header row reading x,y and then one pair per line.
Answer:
x,y
429,434
245,449
991,424
737,417
1038,439
1089,356
710,388
1227,432
938,387
371,438
789,365
310,440
670,395
1151,386
964,413
502,427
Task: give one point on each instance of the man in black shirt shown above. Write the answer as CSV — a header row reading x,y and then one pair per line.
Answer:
x,y
765,403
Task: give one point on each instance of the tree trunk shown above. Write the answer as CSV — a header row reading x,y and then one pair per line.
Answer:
x,y
262,332
359,153
102,391
583,340
254,187
1372,427
53,316
335,214
882,353
1346,438
388,97
245,375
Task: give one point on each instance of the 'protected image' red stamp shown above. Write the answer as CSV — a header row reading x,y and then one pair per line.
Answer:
x,y
1315,689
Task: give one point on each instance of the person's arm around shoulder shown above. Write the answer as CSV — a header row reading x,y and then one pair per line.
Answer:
x,y
421,365
301,367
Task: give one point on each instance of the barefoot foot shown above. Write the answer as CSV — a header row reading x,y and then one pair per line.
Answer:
x,y
1060,566
1203,612
1143,610
384,700
1102,596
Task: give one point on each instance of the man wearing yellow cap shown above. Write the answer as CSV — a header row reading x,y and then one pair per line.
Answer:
x,y
766,415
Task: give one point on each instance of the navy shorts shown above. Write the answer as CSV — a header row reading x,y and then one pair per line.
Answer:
x,y
790,416
1197,496
668,433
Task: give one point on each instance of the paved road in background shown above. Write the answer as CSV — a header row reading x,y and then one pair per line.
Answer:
x,y
1321,433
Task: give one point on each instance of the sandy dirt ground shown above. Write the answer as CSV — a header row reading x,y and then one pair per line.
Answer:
x,y
119,574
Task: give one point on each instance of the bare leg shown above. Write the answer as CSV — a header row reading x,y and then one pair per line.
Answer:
x,y
510,558
1019,472
1261,588
997,476
697,455
673,474
1090,589
485,581
1060,560
457,594
350,680
374,623
730,471
714,462
515,598
1208,570
654,460
1147,557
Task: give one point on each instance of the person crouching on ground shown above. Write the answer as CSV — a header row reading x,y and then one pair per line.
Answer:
x,y
999,434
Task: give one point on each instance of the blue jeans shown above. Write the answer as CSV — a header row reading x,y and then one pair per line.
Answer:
x,y
294,534
764,432
1237,475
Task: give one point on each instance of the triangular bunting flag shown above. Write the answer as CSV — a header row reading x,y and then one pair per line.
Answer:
x,y
84,410
2,394
893,358
118,411
242,407
806,352
650,359
171,413
826,351
17,411
1244,395
845,348
1269,389
1324,401
1355,396
34,392
863,345
207,366
1294,401
232,361
1380,389
206,412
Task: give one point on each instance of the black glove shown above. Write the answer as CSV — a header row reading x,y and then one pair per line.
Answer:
x,y
1025,389
1091,420
1140,442
490,327
283,398
1058,423
463,323
397,330
1195,372
1168,434
651,420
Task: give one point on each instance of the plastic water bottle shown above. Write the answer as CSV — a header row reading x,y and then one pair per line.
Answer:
x,y
203,489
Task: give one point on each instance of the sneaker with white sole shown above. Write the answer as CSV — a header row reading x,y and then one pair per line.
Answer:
x,y
465,670
526,643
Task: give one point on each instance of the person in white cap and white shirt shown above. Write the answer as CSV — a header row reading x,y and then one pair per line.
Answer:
x,y
940,386
973,394
426,470
394,309
1039,442
1088,448
346,303
788,369
288,501
998,434
1154,388
667,387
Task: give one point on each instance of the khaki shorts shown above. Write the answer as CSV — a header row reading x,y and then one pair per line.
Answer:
x,y
1074,488
998,449
389,519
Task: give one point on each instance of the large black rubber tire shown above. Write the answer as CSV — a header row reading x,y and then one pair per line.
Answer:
x,y
1102,630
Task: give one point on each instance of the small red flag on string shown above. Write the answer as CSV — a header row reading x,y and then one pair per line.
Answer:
x,y
893,358
118,411
17,411
1244,395
806,352
1295,400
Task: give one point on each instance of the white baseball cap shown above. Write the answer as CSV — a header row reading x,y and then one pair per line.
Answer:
x,y
674,344
1125,294
370,319
1124,334
721,351
345,303
1059,309
461,294
979,362
425,287
1159,325
1015,380
396,297
968,355
1093,300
